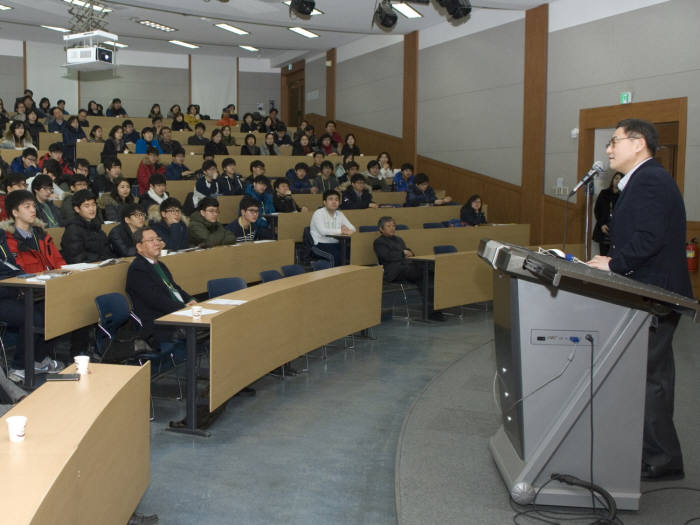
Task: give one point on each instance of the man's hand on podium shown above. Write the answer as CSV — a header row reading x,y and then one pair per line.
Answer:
x,y
600,262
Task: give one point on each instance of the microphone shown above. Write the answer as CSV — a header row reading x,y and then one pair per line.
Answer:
x,y
597,168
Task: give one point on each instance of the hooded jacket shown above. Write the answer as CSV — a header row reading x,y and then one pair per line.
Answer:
x,y
208,234
36,254
416,197
84,241
121,240
175,236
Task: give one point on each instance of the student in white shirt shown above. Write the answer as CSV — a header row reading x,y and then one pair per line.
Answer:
x,y
330,221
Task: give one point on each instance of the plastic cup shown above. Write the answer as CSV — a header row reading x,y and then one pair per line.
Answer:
x,y
82,364
16,427
196,313
163,253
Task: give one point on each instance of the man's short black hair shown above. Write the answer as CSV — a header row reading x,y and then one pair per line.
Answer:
x,y
110,162
41,181
56,147
318,152
407,166
207,202
256,164
279,182
12,178
641,128
170,202
330,122
77,177
116,100
127,122
131,209
281,127
309,127
15,199
28,152
59,101
261,179
274,109
383,220
420,179
200,125
147,129
178,151
328,193
327,164
227,162
157,178
247,202
156,119
301,166
82,110
372,163
81,196
352,164
83,163
208,164
53,167
357,178
152,151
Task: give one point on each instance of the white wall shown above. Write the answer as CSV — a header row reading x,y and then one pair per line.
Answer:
x,y
47,78
213,83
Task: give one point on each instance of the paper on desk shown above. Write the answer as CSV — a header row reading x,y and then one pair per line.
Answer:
x,y
35,280
264,240
232,302
79,266
188,312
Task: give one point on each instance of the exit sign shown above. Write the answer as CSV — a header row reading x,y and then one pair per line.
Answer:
x,y
625,97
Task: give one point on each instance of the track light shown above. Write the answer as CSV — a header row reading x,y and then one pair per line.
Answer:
x,y
456,8
385,16
302,7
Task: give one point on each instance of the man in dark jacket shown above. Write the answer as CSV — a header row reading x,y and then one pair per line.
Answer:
x,y
77,182
647,236
105,183
283,200
357,196
84,240
170,226
121,237
244,227
46,210
420,193
205,229
151,286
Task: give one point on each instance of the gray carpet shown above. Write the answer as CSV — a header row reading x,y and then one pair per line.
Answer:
x,y
444,471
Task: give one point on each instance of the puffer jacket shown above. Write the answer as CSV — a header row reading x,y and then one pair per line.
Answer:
x,y
84,241
33,255
207,234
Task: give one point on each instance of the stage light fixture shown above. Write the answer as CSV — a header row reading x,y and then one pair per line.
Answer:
x,y
385,16
456,8
302,7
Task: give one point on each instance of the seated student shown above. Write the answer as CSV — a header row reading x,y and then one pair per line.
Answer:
x,y
198,139
230,182
325,145
11,182
393,254
206,186
104,183
266,126
148,140
56,153
357,197
303,147
166,141
72,134
93,110
214,146
84,240
257,167
121,237
170,225
244,227
53,170
281,136
269,147
350,146
156,193
333,134
177,169
352,168
404,178
130,134
78,182
372,176
192,117
248,125
26,164
157,125
179,123
259,191
226,138
151,287
17,137
309,132
205,229
342,168
249,148
226,119
276,122
46,211
326,180
283,200
472,213
32,125
328,221
147,167
315,168
83,122
115,109
112,204
57,124
420,193
82,167
299,181
114,144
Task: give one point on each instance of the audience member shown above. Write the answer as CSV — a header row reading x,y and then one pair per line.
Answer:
x,y
84,240
372,176
259,191
130,134
95,135
121,237
350,145
147,141
174,111
44,108
266,126
315,168
155,112
303,147
471,213
104,183
386,169
26,164
327,221
72,134
269,147
115,109
325,145
230,182
341,169
603,211
206,186
53,170
249,148
77,182
198,139
333,134
283,200
156,193
114,144
46,211
112,204
147,167
226,119
33,126
167,143
82,118
170,225
56,153
281,136
93,110
12,182
357,197
299,181
17,137
326,180
248,126
193,117
404,178
61,104
245,227
177,169
57,123
257,167
226,138
205,230
215,146
420,193
179,123
352,168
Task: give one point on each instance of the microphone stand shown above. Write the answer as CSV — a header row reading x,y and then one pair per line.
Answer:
x,y
589,188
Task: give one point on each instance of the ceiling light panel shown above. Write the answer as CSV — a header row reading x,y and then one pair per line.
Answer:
x,y
183,44
303,32
115,44
82,3
4,7
249,48
156,25
406,10
56,28
313,13
232,29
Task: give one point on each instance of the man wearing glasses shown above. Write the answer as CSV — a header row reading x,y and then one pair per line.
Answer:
x,y
171,227
151,287
647,237
245,227
205,229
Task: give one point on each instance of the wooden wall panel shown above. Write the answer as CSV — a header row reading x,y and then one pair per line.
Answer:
x,y
410,96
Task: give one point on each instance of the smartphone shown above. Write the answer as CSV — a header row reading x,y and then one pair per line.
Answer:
x,y
62,377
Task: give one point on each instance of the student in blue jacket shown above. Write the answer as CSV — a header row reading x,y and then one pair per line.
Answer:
x,y
258,190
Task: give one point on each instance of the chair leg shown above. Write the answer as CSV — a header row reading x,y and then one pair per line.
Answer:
x,y
6,366
177,376
153,411
352,342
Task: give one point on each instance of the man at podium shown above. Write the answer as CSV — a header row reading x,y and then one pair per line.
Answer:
x,y
648,244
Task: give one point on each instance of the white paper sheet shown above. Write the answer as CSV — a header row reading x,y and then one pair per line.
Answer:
x,y
79,266
188,312
232,302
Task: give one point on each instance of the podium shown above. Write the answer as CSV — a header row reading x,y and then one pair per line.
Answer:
x,y
552,319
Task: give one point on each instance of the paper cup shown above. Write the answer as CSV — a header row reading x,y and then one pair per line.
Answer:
x,y
196,313
16,427
81,364
163,253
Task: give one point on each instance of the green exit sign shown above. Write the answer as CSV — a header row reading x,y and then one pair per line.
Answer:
x,y
625,97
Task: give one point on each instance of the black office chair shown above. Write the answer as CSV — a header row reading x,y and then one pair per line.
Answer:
x,y
428,225
320,264
444,248
270,275
401,227
363,229
217,287
288,270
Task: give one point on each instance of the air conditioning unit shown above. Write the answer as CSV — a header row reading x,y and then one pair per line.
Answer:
x,y
87,58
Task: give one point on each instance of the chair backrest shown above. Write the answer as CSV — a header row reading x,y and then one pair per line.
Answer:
x,y
270,275
113,309
401,227
217,287
428,225
320,264
368,229
444,248
293,269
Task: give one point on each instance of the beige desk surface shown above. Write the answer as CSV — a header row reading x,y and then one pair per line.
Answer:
x,y
85,460
298,314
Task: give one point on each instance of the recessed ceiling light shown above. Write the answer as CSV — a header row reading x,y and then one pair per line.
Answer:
x,y
183,44
303,32
249,48
313,13
4,7
82,3
56,28
156,25
406,10
232,29
115,44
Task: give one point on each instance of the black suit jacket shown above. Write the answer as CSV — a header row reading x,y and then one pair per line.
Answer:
x,y
151,297
647,232
389,252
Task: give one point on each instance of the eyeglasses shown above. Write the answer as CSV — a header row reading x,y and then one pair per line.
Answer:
x,y
253,210
173,210
615,140
155,239
213,211
139,215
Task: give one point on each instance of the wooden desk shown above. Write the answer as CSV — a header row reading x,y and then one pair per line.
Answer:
x,y
47,138
92,151
240,355
86,457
